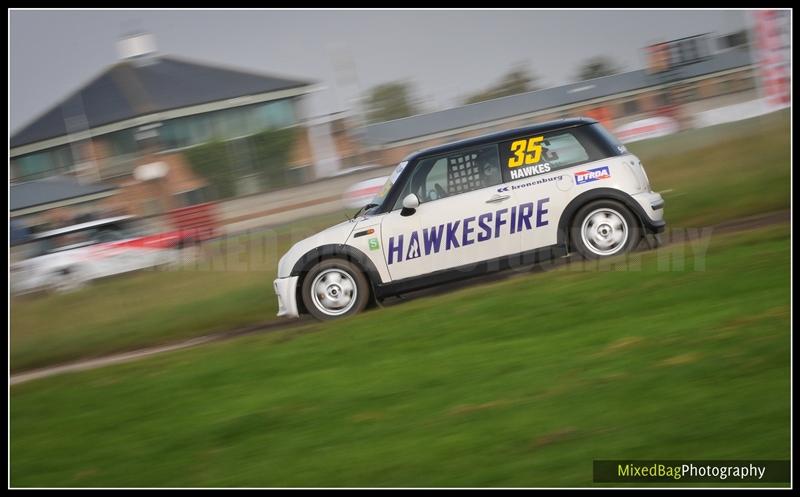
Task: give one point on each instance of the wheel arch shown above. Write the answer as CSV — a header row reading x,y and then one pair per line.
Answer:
x,y
572,208
334,251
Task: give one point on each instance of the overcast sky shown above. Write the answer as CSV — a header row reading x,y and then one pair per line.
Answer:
x,y
445,54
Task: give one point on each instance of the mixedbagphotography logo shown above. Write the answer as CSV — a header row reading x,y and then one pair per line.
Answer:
x,y
685,471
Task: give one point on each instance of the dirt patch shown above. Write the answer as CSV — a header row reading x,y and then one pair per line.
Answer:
x,y
733,327
612,377
368,416
554,437
623,343
86,473
754,222
469,408
681,359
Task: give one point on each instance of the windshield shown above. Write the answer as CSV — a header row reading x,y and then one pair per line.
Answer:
x,y
104,233
381,196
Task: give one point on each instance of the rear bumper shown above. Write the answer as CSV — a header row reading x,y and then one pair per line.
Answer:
x,y
652,204
286,290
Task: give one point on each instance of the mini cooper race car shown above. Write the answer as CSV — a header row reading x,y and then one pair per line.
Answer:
x,y
483,204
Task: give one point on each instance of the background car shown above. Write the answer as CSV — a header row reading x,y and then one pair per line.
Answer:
x,y
361,193
67,258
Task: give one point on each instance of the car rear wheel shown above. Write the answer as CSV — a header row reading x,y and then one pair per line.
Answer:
x,y
604,228
335,288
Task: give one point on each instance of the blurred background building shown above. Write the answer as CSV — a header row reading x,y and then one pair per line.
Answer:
x,y
167,132
685,77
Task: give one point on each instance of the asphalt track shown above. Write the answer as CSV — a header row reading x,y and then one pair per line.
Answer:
x,y
741,224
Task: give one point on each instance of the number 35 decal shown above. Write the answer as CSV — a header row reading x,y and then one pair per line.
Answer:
x,y
526,152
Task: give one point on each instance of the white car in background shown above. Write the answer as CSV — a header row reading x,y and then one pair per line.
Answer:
x,y
361,193
483,204
65,259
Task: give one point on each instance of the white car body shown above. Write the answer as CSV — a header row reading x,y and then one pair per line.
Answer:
x,y
511,220
71,266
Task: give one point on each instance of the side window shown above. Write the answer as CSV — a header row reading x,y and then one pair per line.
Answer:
x,y
71,240
109,234
459,172
436,186
528,156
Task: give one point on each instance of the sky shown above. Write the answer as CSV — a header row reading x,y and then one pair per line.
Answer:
x,y
444,54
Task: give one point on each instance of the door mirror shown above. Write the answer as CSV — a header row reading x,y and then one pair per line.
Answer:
x,y
410,201
410,204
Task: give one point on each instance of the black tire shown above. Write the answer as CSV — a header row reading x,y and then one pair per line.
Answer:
x,y
332,293
609,228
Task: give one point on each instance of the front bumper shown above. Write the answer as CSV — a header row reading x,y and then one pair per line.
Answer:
x,y
286,290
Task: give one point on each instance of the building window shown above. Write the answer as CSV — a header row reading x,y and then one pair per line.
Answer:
x,y
172,134
234,123
121,142
226,124
34,165
193,197
200,129
738,39
279,114
62,158
631,106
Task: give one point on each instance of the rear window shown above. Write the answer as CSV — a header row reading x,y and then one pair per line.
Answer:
x,y
611,140
542,153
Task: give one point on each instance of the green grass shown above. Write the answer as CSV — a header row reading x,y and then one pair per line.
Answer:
x,y
714,174
518,383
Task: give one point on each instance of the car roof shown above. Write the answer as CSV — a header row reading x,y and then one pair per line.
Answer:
x,y
80,227
544,127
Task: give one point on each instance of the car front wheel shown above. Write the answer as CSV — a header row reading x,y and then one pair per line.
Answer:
x,y
604,228
335,288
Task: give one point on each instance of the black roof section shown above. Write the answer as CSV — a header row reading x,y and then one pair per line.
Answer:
x,y
50,190
497,136
137,87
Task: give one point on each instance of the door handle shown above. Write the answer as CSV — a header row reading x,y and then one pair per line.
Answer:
x,y
497,198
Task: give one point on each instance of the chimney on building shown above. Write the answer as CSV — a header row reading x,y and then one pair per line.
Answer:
x,y
136,46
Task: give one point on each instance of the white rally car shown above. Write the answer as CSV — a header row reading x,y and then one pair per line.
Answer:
x,y
483,204
66,259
